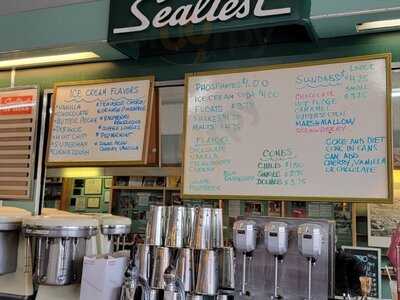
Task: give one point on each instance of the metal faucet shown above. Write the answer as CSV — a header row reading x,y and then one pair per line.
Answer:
x,y
132,281
173,284
347,296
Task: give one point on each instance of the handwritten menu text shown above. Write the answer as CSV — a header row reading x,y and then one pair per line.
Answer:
x,y
102,122
312,131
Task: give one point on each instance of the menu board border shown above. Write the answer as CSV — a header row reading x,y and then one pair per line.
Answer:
x,y
147,133
31,192
388,60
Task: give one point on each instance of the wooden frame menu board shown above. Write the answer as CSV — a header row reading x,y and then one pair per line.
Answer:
x,y
312,131
18,125
102,123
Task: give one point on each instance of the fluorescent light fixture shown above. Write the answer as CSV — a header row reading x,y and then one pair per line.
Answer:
x,y
378,25
42,60
81,172
396,176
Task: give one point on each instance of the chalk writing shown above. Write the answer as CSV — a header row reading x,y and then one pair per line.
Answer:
x,y
320,80
310,131
354,155
280,167
100,122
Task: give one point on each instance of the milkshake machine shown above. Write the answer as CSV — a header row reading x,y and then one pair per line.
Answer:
x,y
287,254
15,274
112,234
310,245
276,242
59,244
245,241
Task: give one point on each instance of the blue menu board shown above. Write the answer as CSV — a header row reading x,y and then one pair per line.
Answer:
x,y
309,131
101,123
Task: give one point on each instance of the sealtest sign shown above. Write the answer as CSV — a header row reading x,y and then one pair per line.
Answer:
x,y
198,12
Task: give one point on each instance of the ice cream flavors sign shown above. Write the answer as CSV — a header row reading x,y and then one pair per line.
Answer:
x,y
101,123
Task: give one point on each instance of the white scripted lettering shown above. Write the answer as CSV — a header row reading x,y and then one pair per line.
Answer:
x,y
189,14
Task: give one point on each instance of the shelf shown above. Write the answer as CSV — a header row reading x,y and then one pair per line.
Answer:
x,y
123,171
139,188
177,189
146,188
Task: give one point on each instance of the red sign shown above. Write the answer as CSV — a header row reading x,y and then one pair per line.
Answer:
x,y
16,105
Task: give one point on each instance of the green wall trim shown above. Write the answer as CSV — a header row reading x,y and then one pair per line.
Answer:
x,y
175,66
55,27
28,205
322,7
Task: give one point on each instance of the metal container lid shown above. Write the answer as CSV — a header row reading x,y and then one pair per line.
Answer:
x,y
74,226
11,218
115,225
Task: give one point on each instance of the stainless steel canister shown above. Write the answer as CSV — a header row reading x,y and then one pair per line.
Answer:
x,y
194,297
217,228
175,233
207,280
9,237
154,295
143,260
228,296
161,263
170,295
202,231
184,268
155,229
227,268
64,255
190,225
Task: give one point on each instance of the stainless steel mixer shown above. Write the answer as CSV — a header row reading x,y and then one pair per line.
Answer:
x,y
116,230
245,241
276,239
9,236
310,246
60,245
15,270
